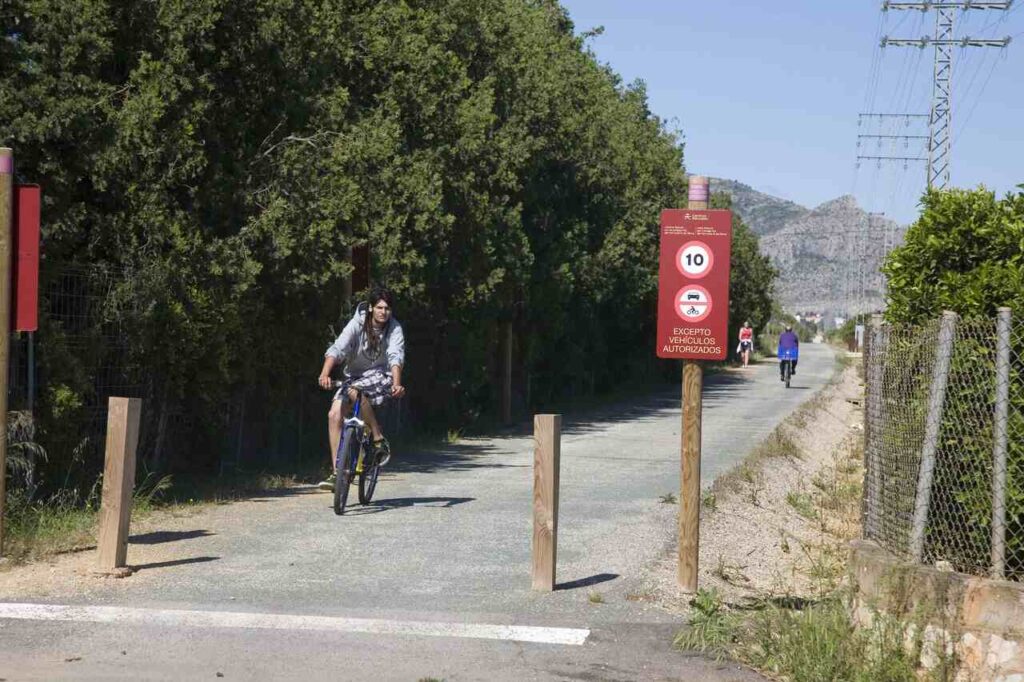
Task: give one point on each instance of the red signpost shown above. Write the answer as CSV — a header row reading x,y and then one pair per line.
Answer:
x,y
693,284
693,325
26,258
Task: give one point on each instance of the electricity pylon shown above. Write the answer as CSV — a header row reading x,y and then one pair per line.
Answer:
x,y
940,119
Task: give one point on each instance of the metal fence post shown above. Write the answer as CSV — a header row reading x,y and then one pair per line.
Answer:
x,y
936,403
873,427
999,440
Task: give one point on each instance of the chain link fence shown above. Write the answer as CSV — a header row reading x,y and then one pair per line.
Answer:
x,y
944,442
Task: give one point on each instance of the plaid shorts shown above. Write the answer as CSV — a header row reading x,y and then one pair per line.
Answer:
x,y
375,385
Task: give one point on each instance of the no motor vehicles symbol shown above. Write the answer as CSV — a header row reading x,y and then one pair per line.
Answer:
x,y
693,303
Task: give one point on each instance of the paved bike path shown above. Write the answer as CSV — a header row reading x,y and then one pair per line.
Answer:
x,y
446,542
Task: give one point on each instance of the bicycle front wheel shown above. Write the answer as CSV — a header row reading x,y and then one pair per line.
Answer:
x,y
788,372
368,479
345,462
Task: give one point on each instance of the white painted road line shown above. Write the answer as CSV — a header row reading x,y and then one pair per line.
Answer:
x,y
271,621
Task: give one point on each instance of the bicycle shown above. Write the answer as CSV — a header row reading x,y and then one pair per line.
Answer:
x,y
355,445
786,359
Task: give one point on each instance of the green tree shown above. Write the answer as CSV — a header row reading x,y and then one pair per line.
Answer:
x,y
209,165
965,253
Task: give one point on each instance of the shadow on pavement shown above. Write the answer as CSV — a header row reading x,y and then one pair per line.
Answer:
x,y
587,582
259,496
456,457
471,454
175,562
377,506
722,385
160,536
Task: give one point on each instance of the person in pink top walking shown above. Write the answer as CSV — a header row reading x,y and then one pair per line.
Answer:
x,y
746,342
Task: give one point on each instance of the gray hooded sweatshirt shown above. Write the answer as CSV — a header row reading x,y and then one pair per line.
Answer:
x,y
353,346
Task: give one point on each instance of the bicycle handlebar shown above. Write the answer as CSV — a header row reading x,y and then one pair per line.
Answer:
x,y
338,383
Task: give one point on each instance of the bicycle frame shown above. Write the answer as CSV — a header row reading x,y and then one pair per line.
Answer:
x,y
356,422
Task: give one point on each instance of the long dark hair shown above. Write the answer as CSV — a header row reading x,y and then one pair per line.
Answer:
x,y
374,335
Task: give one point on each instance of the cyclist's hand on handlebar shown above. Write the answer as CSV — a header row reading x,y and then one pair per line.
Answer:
x,y
397,390
325,381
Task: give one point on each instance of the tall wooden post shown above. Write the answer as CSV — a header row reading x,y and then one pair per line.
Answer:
x,y
547,435
506,372
346,288
118,484
6,240
689,492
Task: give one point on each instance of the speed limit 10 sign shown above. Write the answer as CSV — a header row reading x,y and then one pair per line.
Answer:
x,y
693,284
694,259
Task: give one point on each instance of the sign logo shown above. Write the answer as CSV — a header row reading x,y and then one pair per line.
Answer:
x,y
693,303
694,260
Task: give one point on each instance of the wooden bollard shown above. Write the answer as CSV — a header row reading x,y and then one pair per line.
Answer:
x,y
547,436
118,485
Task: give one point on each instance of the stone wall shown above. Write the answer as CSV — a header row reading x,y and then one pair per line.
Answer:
x,y
971,629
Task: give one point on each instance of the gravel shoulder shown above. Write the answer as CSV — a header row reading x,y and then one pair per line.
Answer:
x,y
775,526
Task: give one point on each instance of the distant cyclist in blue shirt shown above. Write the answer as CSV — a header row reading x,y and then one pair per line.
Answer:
x,y
789,344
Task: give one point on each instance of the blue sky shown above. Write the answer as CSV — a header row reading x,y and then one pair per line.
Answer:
x,y
769,93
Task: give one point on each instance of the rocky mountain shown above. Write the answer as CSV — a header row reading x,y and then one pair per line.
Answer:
x,y
828,257
762,212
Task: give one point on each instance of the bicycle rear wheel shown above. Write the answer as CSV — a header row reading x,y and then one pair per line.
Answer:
x,y
346,458
368,479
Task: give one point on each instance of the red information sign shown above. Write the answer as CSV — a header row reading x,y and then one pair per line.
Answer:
x,y
25,277
693,284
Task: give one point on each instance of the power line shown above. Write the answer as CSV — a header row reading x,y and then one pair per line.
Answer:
x,y
892,137
880,119
925,6
892,158
959,131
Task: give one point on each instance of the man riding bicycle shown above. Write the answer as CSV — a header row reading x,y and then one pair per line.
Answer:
x,y
372,346
788,343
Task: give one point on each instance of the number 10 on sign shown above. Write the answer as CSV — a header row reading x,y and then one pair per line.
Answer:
x,y
695,260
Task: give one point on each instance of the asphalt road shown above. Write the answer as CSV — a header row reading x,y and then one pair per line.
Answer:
x,y
430,581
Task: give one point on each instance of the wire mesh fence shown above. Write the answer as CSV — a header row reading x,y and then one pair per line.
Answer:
x,y
944,442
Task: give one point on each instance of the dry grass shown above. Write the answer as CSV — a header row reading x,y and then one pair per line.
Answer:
x,y
67,522
787,633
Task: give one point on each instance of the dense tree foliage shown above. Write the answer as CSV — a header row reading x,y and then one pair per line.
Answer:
x,y
214,160
965,253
